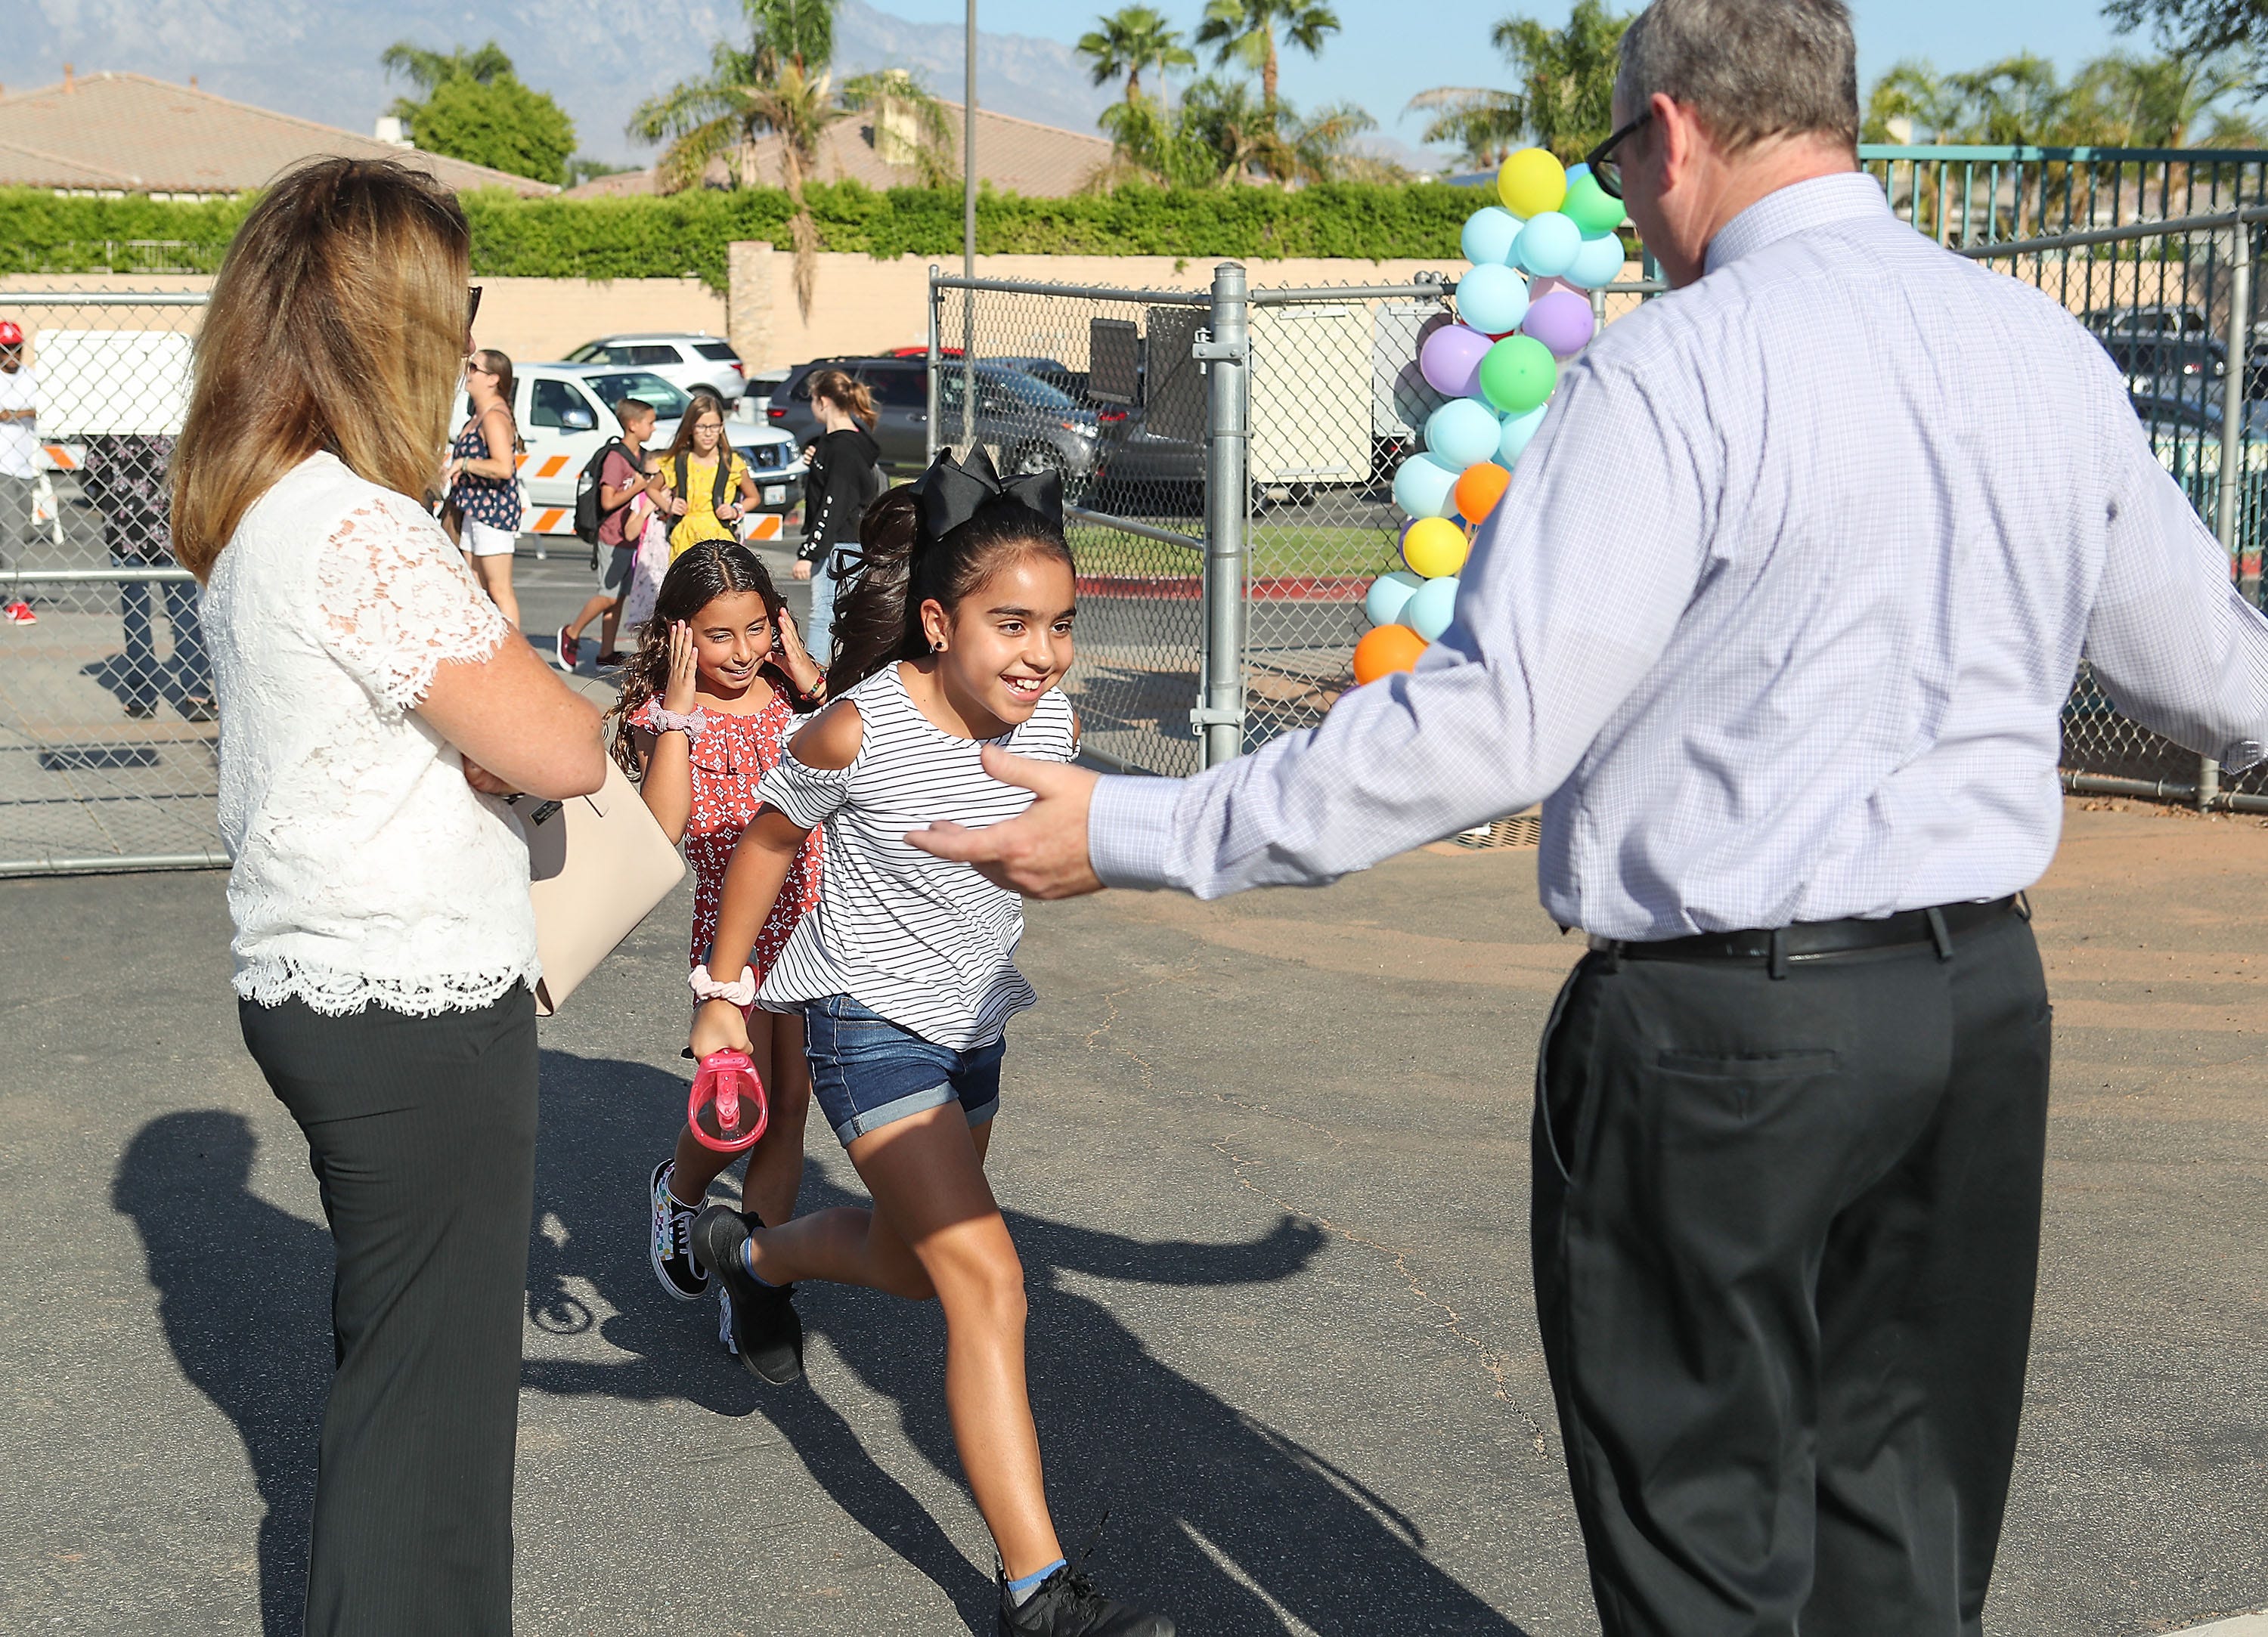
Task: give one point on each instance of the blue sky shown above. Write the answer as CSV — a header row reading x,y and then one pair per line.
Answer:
x,y
1380,58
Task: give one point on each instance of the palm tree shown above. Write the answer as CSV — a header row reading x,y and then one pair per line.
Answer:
x,y
1321,149
425,69
778,86
1565,100
1130,40
1245,30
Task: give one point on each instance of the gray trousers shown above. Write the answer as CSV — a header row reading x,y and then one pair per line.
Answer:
x,y
421,1131
15,519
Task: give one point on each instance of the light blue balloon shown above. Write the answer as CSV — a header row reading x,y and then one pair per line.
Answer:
x,y
1517,432
1388,594
1598,264
1431,607
1492,299
1487,236
1549,245
1462,432
1426,488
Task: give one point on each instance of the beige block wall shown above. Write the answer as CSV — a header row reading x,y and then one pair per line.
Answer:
x,y
861,303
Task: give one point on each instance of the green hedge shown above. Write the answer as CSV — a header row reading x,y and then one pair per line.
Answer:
x,y
686,234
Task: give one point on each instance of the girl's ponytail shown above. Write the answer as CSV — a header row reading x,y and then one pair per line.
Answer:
x,y
936,538
870,607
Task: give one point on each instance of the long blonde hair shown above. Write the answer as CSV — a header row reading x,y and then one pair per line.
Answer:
x,y
337,323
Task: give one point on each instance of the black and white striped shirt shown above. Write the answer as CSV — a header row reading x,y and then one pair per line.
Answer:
x,y
926,943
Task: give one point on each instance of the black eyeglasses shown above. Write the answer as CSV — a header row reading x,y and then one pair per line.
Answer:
x,y
473,301
1604,166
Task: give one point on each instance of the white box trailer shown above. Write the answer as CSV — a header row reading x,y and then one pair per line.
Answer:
x,y
1311,395
108,383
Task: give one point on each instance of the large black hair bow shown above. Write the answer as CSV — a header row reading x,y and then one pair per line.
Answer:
x,y
953,491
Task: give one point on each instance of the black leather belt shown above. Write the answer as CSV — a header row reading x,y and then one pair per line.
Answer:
x,y
1825,940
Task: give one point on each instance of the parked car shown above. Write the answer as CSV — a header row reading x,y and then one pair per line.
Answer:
x,y
1034,425
2160,340
2186,433
698,359
565,413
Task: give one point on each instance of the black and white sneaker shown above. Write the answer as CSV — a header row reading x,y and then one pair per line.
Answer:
x,y
670,1245
765,1331
1068,1605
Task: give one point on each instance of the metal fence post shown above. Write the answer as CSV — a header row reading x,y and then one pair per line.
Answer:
x,y
2231,498
929,417
1220,715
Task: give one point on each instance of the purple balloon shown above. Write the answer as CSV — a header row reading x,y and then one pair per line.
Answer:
x,y
1561,320
1450,360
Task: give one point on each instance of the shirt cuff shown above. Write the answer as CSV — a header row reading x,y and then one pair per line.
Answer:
x,y
1130,827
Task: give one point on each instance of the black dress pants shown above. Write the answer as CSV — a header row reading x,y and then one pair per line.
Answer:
x,y
1786,1235
422,1133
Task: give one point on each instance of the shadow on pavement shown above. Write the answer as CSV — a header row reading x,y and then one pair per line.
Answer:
x,y
1207,1504
243,1292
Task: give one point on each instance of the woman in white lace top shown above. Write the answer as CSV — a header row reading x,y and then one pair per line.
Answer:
x,y
384,949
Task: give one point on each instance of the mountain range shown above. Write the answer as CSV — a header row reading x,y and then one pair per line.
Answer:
x,y
318,58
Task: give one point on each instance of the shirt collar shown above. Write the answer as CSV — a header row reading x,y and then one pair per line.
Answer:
x,y
1795,208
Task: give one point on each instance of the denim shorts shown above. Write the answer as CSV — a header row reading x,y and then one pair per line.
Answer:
x,y
866,1072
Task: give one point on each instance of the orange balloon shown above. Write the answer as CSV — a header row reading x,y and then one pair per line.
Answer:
x,y
1479,489
1390,648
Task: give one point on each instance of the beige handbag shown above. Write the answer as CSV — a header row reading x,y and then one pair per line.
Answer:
x,y
596,866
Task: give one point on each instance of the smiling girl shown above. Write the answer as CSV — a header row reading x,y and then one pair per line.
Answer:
x,y
707,704
953,631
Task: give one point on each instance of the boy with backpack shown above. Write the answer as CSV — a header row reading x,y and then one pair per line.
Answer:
x,y
611,480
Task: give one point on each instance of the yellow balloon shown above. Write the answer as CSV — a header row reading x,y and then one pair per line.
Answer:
x,y
1531,182
1433,547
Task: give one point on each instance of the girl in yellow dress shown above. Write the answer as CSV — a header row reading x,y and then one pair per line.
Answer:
x,y
704,503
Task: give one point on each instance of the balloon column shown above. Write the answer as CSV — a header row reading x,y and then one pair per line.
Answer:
x,y
1522,311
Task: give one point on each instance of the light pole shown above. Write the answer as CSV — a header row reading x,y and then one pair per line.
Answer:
x,y
969,234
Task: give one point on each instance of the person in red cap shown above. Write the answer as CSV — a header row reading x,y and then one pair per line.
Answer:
x,y
20,459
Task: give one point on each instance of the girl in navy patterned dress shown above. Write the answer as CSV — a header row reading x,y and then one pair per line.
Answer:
x,y
707,704
483,479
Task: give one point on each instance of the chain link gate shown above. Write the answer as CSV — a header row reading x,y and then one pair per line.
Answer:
x,y
2174,304
108,732
1228,458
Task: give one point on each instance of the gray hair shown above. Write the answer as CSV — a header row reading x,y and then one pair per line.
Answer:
x,y
1750,69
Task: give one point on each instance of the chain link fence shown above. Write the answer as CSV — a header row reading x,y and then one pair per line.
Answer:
x,y
2175,304
1229,457
108,734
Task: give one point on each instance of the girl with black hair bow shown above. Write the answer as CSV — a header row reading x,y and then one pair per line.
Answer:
x,y
953,631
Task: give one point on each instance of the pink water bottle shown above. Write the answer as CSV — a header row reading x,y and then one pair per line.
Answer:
x,y
728,1109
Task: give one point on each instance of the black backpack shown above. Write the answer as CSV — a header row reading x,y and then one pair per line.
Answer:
x,y
721,490
587,513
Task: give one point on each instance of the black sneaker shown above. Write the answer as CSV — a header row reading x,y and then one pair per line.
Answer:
x,y
1068,1605
669,1247
766,1331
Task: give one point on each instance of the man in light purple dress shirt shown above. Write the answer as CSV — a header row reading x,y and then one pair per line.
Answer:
x,y
1778,617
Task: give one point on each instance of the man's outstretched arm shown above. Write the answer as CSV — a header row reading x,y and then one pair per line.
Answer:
x,y
1564,609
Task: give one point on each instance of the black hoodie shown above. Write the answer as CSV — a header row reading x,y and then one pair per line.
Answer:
x,y
836,490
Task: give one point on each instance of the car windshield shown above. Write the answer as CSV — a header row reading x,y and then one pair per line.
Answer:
x,y
668,402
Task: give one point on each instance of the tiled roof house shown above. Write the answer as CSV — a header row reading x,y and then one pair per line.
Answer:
x,y
1015,156
129,134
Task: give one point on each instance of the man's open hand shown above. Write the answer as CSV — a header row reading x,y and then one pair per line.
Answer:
x,y
1044,852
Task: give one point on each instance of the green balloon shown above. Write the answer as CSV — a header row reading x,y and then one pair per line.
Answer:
x,y
1518,373
1591,206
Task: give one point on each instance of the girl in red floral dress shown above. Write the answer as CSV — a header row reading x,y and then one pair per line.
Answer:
x,y
712,694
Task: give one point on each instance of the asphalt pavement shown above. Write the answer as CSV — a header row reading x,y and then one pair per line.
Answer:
x,y
1265,1160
